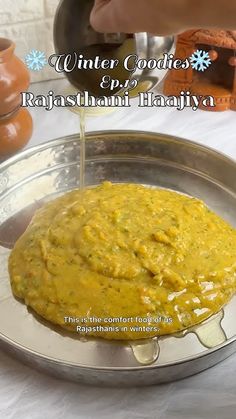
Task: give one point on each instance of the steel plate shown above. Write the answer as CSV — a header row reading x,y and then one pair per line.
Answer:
x,y
44,172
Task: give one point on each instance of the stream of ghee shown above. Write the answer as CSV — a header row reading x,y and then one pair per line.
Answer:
x,y
82,148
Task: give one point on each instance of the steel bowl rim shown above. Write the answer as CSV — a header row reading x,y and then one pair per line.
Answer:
x,y
26,351
139,133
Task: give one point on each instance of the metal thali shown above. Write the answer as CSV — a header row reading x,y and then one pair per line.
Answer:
x,y
49,170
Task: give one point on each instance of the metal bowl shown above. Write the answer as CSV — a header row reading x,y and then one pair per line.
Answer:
x,y
74,34
44,172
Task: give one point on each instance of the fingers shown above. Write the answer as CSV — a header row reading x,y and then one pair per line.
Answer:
x,y
109,16
161,17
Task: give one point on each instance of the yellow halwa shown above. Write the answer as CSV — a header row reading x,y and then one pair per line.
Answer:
x,y
124,261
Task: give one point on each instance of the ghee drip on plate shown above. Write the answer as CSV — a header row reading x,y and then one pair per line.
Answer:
x,y
146,352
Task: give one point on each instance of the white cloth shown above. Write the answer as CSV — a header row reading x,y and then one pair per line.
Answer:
x,y
27,394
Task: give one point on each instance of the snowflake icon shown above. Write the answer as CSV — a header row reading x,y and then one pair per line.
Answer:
x,y
200,60
36,60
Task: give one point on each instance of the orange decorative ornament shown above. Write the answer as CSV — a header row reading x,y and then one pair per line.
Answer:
x,y
219,80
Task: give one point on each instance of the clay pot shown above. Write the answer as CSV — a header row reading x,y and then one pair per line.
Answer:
x,y
14,77
15,132
15,122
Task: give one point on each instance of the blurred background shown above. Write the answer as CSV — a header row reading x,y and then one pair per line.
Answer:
x,y
30,24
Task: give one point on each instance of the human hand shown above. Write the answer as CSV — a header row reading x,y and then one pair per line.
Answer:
x,y
162,17
130,16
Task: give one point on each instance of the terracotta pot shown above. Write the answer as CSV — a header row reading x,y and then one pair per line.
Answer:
x,y
14,77
219,80
15,132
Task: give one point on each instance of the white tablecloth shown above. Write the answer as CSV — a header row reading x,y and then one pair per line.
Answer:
x,y
27,394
